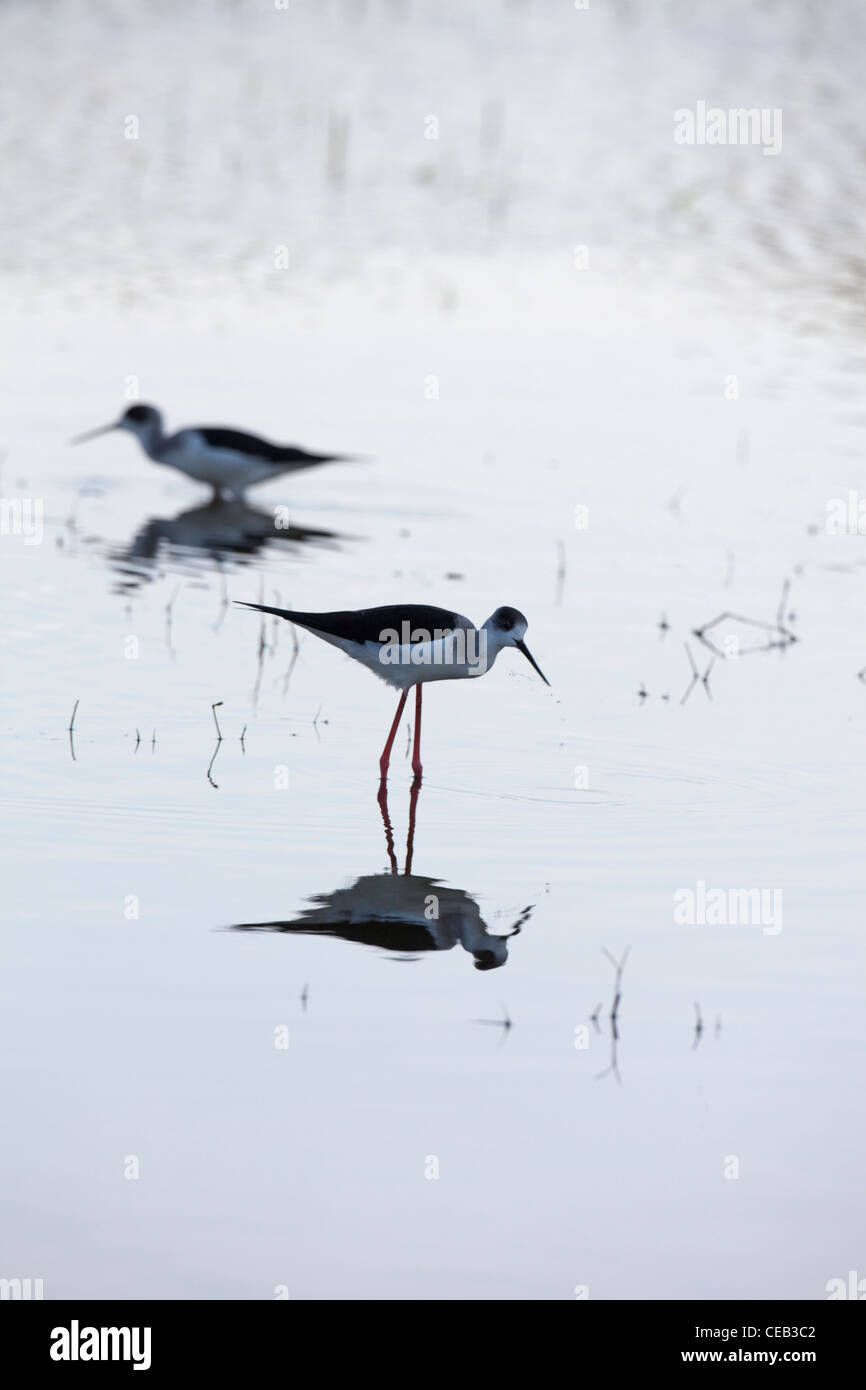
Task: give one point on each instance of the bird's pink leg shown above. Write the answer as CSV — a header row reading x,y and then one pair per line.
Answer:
x,y
416,747
386,751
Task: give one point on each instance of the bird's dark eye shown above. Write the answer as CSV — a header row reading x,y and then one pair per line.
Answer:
x,y
506,618
137,412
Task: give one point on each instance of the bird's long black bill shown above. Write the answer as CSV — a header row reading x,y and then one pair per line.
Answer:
x,y
92,434
522,647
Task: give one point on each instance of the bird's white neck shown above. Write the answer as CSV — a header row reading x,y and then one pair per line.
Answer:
x,y
151,437
492,643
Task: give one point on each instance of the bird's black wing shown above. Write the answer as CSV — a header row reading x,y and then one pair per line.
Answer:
x,y
386,933
280,455
374,624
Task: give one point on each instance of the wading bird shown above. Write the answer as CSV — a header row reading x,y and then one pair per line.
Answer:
x,y
228,460
408,644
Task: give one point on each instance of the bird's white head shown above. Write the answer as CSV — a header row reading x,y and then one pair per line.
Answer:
x,y
144,421
507,628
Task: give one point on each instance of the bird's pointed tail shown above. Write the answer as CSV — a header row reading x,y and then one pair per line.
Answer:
x,y
263,608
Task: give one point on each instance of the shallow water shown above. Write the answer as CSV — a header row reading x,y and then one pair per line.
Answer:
x,y
532,437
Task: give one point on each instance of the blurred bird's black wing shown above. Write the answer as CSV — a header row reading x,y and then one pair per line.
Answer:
x,y
280,455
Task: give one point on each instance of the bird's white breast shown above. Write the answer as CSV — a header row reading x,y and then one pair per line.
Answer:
x,y
190,452
462,655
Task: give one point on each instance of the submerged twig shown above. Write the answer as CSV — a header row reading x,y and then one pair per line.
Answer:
x,y
169,620
224,596
294,657
729,572
779,635
260,662
217,747
504,1023
560,574
613,1016
699,1026
619,966
71,730
696,676
675,502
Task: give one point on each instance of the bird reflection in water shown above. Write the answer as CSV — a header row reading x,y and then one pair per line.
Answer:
x,y
401,912
217,530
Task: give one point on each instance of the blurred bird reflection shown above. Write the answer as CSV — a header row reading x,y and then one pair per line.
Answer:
x,y
215,531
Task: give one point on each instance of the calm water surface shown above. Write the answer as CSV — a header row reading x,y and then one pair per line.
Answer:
x,y
218,971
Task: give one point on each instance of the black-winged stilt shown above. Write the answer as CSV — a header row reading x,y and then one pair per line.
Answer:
x,y
228,460
408,644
